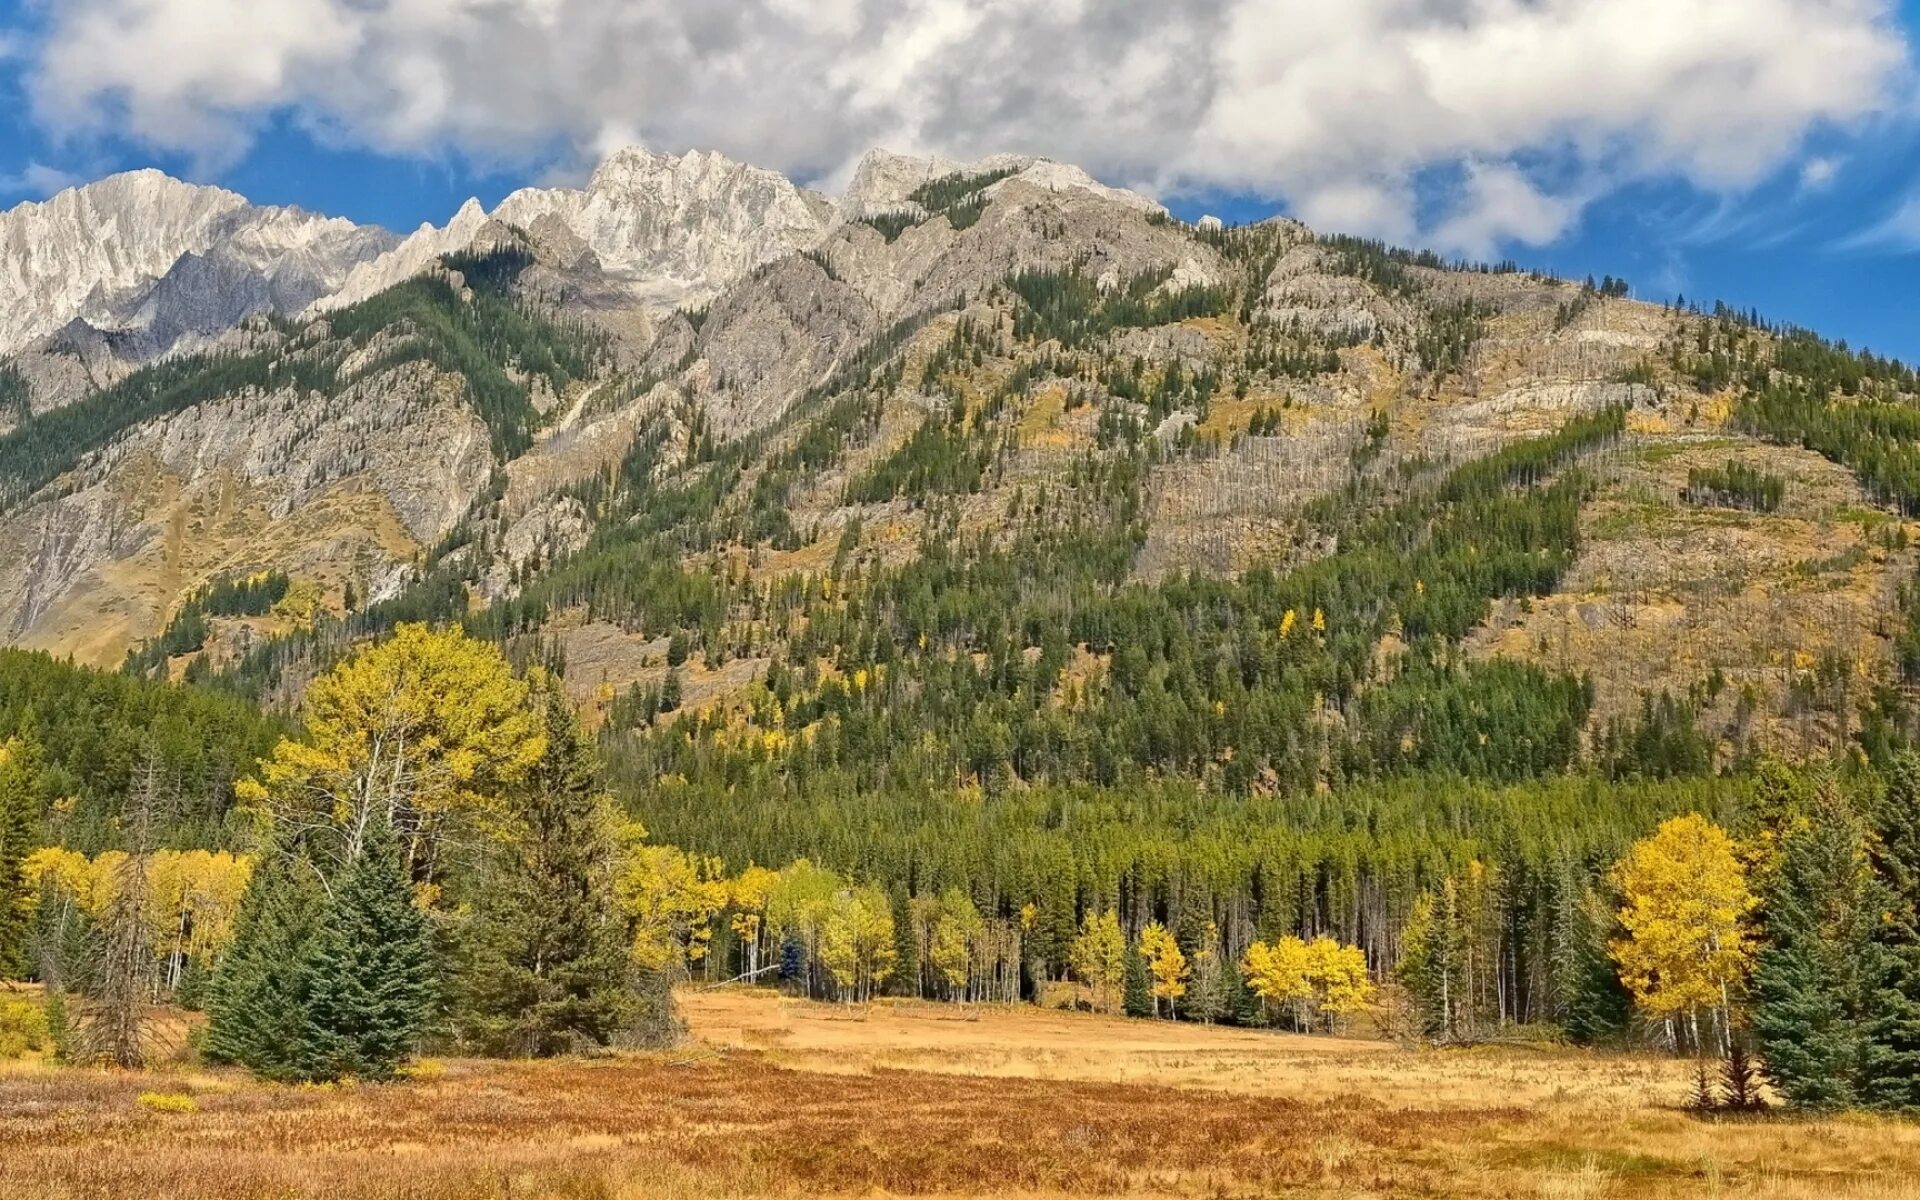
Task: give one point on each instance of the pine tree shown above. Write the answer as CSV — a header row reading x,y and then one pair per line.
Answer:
x,y
1807,982
1137,994
546,967
1893,1031
1592,1005
372,971
19,815
1207,994
259,1011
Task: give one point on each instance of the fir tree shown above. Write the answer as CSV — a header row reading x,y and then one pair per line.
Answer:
x,y
546,968
259,1014
372,971
1808,983
19,815
1893,1031
1593,1006
1740,1078
1137,994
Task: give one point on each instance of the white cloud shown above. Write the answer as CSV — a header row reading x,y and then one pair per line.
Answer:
x,y
37,180
1817,174
1334,107
1498,206
1899,230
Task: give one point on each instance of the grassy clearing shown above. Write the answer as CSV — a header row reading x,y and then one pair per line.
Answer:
x,y
772,1098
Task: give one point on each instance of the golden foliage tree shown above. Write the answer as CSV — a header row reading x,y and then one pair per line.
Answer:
x,y
954,942
1310,981
748,899
1099,957
1277,972
670,899
857,942
1166,965
1341,984
1683,905
420,730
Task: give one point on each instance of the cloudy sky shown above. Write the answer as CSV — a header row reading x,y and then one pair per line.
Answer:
x,y
1762,151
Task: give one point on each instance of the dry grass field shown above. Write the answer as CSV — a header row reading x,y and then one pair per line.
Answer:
x,y
773,1098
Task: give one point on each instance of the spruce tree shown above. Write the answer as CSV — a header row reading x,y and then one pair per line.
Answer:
x,y
1808,1014
19,817
1592,1005
1893,1031
372,968
546,967
1137,993
259,1011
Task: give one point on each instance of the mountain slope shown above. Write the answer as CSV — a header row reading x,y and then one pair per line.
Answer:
x,y
988,476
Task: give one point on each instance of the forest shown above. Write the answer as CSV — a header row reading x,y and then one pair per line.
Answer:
x,y
329,929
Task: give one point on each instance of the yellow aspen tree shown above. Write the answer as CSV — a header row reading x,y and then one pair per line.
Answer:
x,y
669,898
1099,956
1278,973
1166,963
857,942
1684,901
797,906
748,897
419,730
1339,978
954,942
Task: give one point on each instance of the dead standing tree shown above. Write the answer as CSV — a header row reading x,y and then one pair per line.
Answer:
x,y
110,1023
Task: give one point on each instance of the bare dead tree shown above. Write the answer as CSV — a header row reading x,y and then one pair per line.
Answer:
x,y
110,1023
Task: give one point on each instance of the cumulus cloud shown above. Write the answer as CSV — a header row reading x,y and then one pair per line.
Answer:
x,y
1500,205
1336,108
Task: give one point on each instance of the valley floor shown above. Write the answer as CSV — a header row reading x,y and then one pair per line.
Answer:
x,y
773,1097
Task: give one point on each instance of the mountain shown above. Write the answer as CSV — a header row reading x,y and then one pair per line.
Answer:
x,y
978,474
153,261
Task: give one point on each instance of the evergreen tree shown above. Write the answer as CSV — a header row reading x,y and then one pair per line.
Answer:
x,y
1740,1078
1243,1004
259,1012
1137,994
1592,1005
1809,979
372,971
19,817
793,962
546,965
1893,1031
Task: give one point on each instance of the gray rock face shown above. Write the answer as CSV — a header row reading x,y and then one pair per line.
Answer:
x,y
330,487
766,341
153,260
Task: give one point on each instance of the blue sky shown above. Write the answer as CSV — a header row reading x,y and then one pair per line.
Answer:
x,y
1764,152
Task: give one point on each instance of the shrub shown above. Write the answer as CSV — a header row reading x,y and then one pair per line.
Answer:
x,y
23,1027
167,1102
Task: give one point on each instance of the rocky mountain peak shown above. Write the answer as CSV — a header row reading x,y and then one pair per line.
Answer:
x,y
79,252
695,220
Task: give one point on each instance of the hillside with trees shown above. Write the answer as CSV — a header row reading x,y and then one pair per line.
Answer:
x,y
1228,625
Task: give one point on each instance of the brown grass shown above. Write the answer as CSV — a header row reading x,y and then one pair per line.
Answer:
x,y
774,1098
